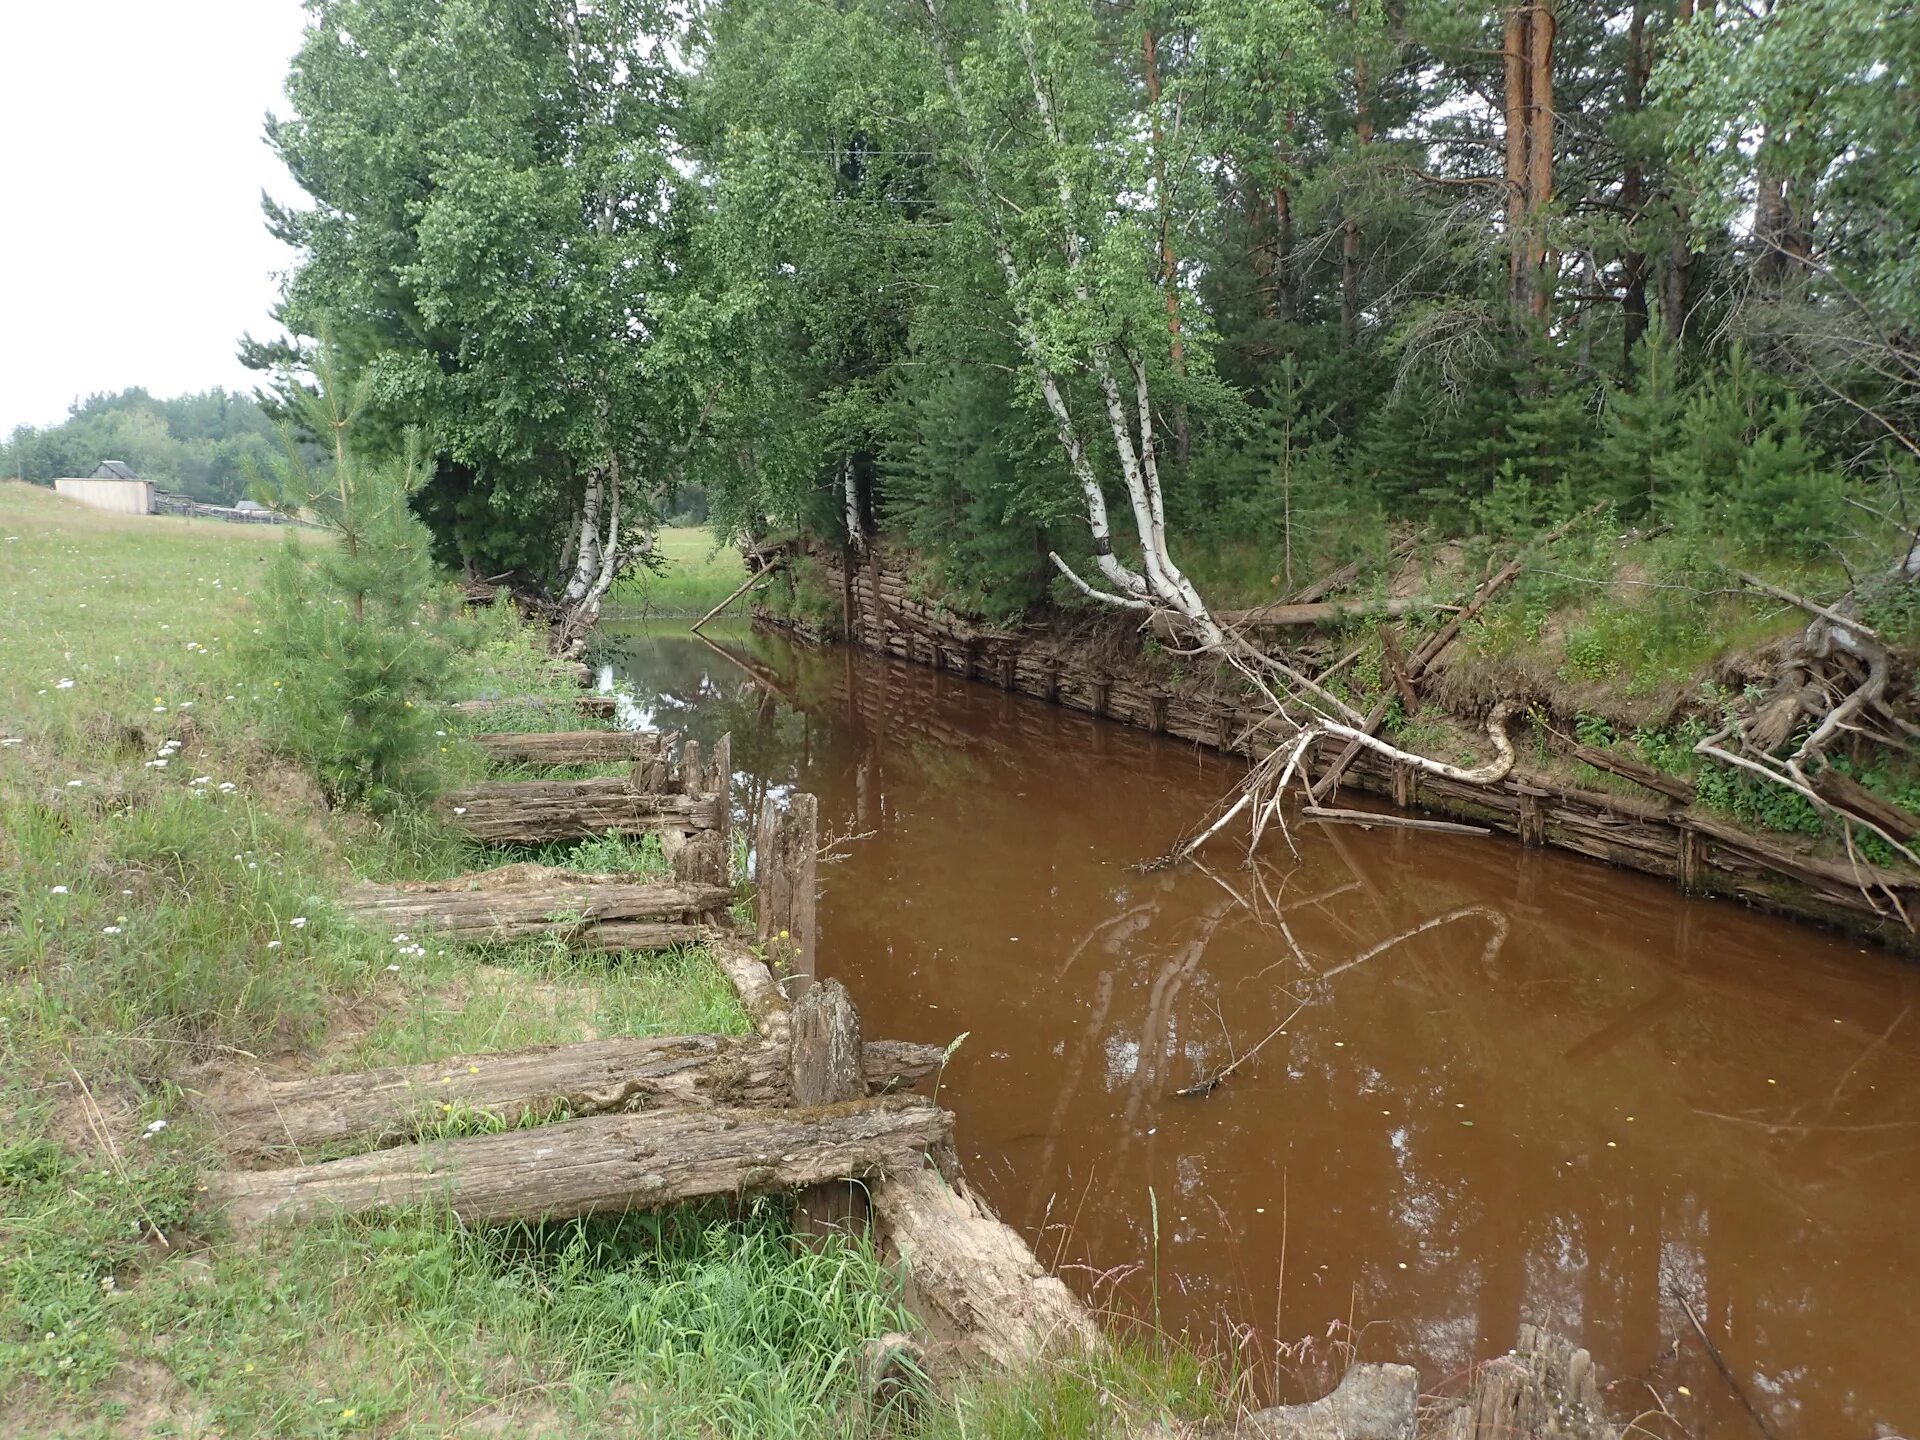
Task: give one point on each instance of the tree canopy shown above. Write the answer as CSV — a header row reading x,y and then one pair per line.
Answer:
x,y
1085,299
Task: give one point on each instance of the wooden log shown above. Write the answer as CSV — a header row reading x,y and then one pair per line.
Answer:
x,y
377,1107
518,902
1370,818
973,1275
760,994
827,1065
598,707
600,1164
1325,612
786,856
570,747
536,812
1850,795
1630,769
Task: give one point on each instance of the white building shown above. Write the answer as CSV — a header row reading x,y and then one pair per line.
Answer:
x,y
113,486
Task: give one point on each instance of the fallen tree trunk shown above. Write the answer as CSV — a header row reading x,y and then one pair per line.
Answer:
x,y
571,747
519,902
601,1164
1325,612
1657,780
974,1274
598,707
536,812
379,1107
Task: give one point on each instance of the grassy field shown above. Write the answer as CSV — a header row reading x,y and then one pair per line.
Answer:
x,y
697,572
166,919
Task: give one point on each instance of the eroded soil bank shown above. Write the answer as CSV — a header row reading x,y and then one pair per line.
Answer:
x,y
1523,1086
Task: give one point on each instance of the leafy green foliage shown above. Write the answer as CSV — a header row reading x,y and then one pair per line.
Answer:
x,y
355,636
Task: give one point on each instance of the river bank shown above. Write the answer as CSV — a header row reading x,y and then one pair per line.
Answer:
x,y
1554,795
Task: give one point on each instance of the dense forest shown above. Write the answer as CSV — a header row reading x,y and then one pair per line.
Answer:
x,y
1196,297
209,445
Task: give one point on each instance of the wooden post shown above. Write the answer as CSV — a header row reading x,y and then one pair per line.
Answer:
x,y
1689,870
1159,704
1403,784
827,1059
1006,672
1532,822
1053,682
705,857
785,849
1102,688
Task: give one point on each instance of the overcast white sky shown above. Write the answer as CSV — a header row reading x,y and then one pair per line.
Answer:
x,y
132,249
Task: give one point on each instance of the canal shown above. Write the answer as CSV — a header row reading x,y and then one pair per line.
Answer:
x,y
1496,1084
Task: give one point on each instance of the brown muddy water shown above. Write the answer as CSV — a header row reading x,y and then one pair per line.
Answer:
x,y
1518,1085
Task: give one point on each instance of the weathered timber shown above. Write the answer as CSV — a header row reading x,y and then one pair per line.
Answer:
x,y
518,902
1544,1386
571,747
536,812
1325,612
1850,795
598,707
1369,818
704,857
760,994
269,1118
603,1163
1628,769
973,1275
786,850
827,1065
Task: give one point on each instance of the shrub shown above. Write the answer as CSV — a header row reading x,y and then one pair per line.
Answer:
x,y
355,645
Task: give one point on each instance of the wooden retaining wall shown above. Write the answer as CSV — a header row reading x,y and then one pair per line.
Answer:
x,y
1702,853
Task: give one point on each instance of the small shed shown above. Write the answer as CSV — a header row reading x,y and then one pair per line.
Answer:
x,y
112,486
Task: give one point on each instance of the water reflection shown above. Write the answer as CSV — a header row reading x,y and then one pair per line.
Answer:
x,y
1521,1086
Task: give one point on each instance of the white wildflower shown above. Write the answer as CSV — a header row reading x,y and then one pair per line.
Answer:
x,y
299,922
71,784
59,890
202,780
12,740
109,929
273,944
64,685
459,809
226,787
393,969
155,1128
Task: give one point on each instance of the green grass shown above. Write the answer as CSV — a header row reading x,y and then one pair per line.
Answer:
x,y
697,572
161,924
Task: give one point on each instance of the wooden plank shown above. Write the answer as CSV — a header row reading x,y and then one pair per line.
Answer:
x,y
377,1107
598,707
570,747
517,902
536,812
600,1164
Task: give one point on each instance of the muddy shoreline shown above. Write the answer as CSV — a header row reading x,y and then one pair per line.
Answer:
x,y
1700,852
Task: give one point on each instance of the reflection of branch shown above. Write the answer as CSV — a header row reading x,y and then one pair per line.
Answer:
x,y
1494,917
1720,1363
1219,1077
